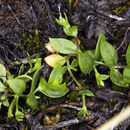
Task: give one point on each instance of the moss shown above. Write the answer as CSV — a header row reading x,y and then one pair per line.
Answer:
x,y
31,42
122,7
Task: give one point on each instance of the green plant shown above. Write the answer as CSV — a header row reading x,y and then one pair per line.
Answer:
x,y
15,87
88,60
67,58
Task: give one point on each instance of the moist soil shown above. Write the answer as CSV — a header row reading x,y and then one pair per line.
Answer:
x,y
18,17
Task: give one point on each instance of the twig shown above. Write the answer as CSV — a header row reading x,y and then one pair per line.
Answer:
x,y
112,16
116,120
53,108
124,41
70,122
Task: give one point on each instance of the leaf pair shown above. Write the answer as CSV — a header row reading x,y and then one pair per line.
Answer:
x,y
105,51
116,76
53,88
68,30
100,77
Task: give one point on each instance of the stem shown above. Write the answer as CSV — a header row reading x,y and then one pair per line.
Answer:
x,y
71,74
99,62
95,70
17,98
77,43
83,100
120,67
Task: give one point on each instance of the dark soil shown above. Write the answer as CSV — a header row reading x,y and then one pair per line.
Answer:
x,y
91,17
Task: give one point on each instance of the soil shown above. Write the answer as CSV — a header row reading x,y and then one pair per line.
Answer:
x,y
91,17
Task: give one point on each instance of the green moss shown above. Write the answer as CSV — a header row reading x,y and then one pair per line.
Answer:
x,y
31,42
122,7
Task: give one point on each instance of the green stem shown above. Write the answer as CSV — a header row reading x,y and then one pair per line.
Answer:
x,y
120,66
83,100
95,70
71,74
99,62
17,98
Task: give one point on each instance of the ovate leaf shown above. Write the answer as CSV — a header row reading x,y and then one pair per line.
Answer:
x,y
32,101
17,85
56,75
63,46
128,55
107,53
74,63
6,103
126,74
2,87
51,90
54,59
85,62
97,55
71,31
86,92
103,76
117,78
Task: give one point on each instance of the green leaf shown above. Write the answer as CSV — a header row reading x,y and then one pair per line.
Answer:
x,y
2,87
64,69
86,92
63,46
97,55
85,62
6,103
128,55
21,69
10,110
107,53
126,74
34,79
74,63
91,53
103,76
71,31
56,76
63,21
17,85
9,75
117,78
32,101
51,90
2,71
100,78
37,65
19,115
25,77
